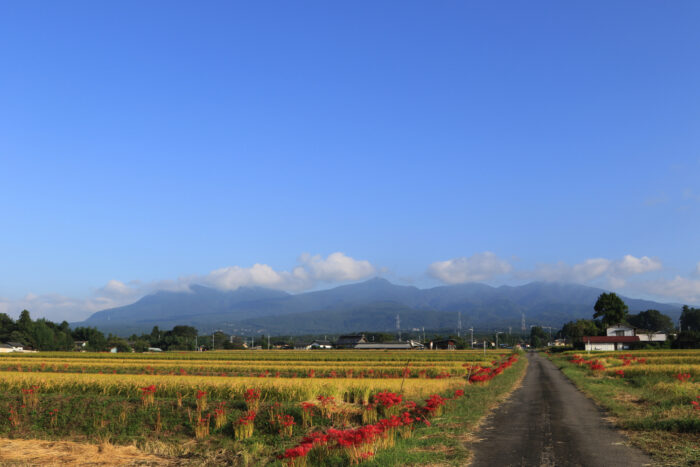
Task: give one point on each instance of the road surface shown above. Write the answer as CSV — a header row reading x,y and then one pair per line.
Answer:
x,y
548,422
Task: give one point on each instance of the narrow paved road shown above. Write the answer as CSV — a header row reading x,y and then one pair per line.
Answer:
x,y
548,422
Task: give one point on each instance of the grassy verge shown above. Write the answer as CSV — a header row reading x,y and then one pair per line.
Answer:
x,y
444,442
654,414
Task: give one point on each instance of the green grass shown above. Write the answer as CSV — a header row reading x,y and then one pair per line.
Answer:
x,y
445,441
653,411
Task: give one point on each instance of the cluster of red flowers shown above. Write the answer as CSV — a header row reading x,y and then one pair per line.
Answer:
x,y
388,399
483,374
683,377
325,400
248,417
628,359
620,373
307,406
286,420
200,394
696,405
362,442
149,390
359,441
593,365
252,395
433,405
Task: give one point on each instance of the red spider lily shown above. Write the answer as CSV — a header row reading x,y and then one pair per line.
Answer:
x,y
200,394
388,399
252,395
620,373
683,377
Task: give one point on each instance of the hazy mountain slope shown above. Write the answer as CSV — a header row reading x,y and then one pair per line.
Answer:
x,y
370,305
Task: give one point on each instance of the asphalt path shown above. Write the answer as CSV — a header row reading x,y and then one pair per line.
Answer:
x,y
548,422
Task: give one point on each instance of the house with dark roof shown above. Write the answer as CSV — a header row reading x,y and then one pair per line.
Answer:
x,y
444,344
410,345
350,341
620,336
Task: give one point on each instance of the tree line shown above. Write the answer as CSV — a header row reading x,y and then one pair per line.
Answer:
x,y
42,334
610,309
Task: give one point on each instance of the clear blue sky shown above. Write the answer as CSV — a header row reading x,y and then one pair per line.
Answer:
x,y
428,142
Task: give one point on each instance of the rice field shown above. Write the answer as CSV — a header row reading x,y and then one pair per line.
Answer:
x,y
654,395
284,407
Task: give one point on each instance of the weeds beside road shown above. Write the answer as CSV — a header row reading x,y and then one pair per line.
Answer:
x,y
649,394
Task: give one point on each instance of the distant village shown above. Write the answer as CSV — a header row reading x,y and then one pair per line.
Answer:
x,y
612,328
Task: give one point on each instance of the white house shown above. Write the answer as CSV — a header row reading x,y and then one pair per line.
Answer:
x,y
314,345
644,335
11,347
619,330
609,343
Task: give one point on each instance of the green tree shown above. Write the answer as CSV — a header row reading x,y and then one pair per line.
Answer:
x,y
610,308
690,319
7,325
538,338
575,330
140,345
121,344
24,323
651,320
96,341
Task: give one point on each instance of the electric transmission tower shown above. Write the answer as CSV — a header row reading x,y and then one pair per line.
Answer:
x,y
398,326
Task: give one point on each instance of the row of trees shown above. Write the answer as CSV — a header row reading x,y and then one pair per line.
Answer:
x,y
46,335
611,309
43,334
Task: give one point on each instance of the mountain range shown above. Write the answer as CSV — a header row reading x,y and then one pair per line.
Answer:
x,y
366,306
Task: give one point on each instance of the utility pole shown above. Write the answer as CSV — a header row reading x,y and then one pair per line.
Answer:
x,y
423,334
522,322
497,333
459,324
212,340
471,331
268,342
398,325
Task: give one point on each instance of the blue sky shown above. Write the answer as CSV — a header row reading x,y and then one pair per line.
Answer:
x,y
148,145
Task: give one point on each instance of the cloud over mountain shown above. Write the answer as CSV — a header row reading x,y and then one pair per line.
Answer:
x,y
478,267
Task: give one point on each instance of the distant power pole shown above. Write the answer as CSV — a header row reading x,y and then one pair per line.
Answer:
x,y
522,322
459,324
398,325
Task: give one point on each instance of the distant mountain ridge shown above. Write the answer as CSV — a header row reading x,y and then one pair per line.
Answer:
x,y
370,305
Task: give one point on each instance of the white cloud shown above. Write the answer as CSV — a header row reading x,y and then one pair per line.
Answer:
x,y
310,271
629,265
336,267
478,267
613,272
679,288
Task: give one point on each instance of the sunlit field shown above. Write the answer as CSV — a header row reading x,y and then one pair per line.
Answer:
x,y
290,407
